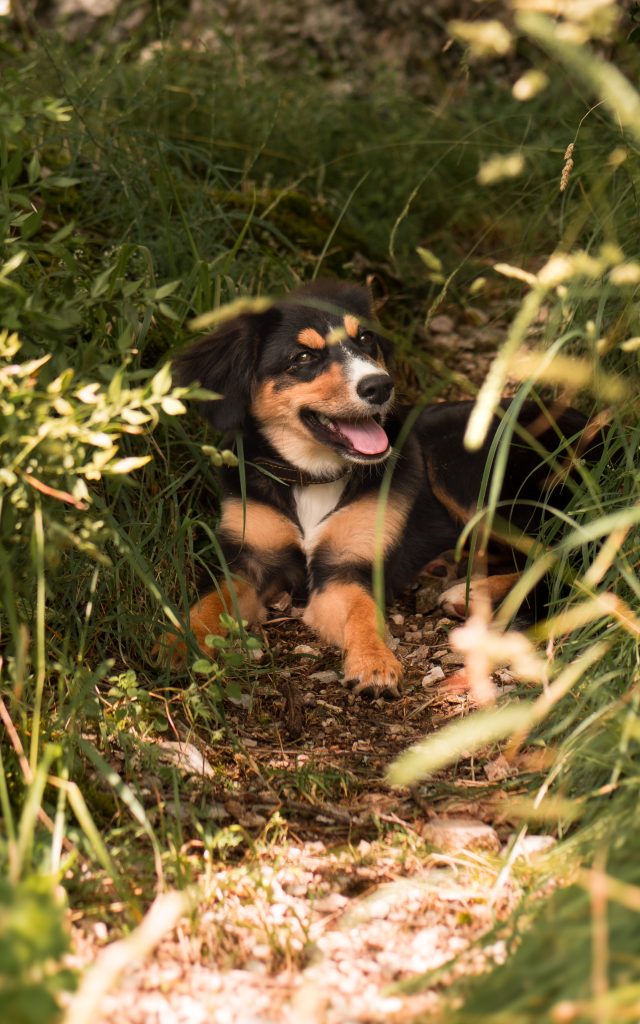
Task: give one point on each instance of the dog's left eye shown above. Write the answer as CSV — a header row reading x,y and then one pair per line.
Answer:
x,y
367,341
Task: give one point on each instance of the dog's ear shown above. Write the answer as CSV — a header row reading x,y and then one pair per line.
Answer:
x,y
226,362
386,347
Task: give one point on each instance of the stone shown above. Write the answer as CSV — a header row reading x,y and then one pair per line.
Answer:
x,y
324,678
441,324
453,835
530,847
444,623
434,675
427,596
498,769
452,660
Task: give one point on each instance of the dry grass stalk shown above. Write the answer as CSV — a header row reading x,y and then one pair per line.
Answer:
x,y
568,166
115,959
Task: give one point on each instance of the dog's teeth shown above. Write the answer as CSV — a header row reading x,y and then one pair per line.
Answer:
x,y
326,422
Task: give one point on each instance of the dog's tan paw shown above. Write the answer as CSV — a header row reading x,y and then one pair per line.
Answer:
x,y
374,674
456,601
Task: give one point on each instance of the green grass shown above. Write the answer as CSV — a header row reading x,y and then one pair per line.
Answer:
x,y
136,195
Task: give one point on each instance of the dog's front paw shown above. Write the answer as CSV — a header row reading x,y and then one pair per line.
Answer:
x,y
456,600
375,673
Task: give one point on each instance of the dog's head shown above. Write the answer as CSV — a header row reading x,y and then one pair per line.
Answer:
x,y
310,371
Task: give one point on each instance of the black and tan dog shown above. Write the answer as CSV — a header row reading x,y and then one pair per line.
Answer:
x,y
307,384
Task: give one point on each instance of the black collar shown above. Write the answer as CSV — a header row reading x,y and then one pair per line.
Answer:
x,y
292,476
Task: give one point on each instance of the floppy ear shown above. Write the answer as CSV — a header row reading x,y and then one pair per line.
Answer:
x,y
226,362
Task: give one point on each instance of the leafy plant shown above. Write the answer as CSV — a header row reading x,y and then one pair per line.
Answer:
x,y
33,939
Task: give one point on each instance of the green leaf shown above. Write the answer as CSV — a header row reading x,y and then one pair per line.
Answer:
x,y
161,382
165,290
172,406
167,311
64,232
59,181
33,169
127,465
204,666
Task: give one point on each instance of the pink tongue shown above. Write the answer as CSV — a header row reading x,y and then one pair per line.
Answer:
x,y
367,438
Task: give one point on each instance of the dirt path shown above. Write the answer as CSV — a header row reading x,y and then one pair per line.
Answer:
x,y
340,887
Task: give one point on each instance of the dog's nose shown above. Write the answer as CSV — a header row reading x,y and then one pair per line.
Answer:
x,y
375,389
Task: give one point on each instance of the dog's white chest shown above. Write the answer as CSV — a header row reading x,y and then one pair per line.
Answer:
x,y
315,502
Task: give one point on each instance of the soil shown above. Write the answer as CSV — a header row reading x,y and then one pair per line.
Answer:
x,y
344,886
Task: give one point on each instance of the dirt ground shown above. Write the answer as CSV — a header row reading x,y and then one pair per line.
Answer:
x,y
347,886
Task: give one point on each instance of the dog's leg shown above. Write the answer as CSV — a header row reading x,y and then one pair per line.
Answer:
x,y
454,600
261,547
341,607
204,619
345,614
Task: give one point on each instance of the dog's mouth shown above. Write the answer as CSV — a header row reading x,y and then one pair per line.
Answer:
x,y
362,439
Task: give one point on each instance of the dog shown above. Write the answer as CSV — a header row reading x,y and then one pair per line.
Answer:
x,y
307,383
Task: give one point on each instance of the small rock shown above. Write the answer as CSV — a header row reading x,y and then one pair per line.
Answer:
x,y
216,812
530,847
441,324
452,660
298,889
441,652
431,636
257,654
498,769
324,678
245,816
427,596
449,341
398,619
419,654
434,675
184,756
309,700
456,834
331,904
305,649
445,623
412,636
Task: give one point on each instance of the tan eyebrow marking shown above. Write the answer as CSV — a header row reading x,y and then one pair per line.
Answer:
x,y
351,325
310,338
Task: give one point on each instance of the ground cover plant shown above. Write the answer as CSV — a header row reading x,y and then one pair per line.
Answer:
x,y
144,184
